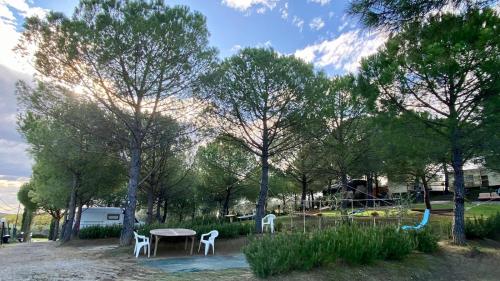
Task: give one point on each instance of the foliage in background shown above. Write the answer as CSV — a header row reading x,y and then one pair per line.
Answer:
x,y
481,227
226,229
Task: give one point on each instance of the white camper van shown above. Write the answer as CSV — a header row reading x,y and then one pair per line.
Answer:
x,y
101,216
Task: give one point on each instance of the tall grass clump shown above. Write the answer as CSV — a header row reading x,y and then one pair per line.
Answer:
x,y
275,254
424,240
480,227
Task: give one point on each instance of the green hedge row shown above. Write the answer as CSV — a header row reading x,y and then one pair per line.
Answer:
x,y
226,229
483,227
97,231
275,254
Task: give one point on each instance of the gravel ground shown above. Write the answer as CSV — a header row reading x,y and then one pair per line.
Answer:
x,y
50,261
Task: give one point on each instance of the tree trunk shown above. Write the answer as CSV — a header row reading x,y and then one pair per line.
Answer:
x,y
26,224
68,224
56,229
158,209
344,204
51,229
458,231
149,218
345,190
427,198
264,180
134,175
303,182
311,194
76,227
446,179
225,208
369,189
165,208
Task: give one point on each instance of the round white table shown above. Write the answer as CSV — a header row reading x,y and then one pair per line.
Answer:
x,y
173,232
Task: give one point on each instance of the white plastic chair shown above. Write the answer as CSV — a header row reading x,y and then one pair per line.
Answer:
x,y
268,220
208,242
139,244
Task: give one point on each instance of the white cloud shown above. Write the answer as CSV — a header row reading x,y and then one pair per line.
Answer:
x,y
245,5
266,44
236,48
321,2
317,23
9,186
344,52
284,11
10,35
343,25
298,22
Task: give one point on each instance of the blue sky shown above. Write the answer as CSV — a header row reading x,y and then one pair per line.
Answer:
x,y
254,22
318,31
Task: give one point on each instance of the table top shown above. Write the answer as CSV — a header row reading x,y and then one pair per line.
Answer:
x,y
173,232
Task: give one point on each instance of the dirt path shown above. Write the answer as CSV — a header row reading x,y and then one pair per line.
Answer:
x,y
49,261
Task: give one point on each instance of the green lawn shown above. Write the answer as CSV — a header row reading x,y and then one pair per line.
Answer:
x,y
471,209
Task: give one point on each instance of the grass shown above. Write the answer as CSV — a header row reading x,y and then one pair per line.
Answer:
x,y
471,209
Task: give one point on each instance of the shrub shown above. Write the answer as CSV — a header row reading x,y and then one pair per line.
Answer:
x,y
425,241
396,245
275,254
97,231
226,229
483,227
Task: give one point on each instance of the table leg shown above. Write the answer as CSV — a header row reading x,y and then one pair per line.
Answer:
x,y
157,238
186,243
192,244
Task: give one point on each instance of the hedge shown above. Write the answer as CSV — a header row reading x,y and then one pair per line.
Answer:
x,y
280,253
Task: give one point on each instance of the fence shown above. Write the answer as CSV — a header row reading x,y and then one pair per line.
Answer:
x,y
318,214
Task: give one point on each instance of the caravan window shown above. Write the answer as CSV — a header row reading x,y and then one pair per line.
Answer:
x,y
113,217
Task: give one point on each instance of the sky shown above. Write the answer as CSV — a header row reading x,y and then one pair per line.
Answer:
x,y
317,31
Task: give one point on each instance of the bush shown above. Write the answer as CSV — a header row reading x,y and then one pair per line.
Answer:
x,y
275,254
97,231
226,229
39,235
483,227
425,241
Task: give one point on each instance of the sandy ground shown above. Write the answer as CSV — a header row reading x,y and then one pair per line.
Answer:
x,y
90,260
50,261
104,260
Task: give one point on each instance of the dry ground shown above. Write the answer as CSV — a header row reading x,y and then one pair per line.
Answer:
x,y
103,260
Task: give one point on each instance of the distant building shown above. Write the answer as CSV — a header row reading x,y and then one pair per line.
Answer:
x,y
474,177
478,177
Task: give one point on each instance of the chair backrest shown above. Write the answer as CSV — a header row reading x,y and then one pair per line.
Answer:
x,y
213,235
136,236
425,219
269,218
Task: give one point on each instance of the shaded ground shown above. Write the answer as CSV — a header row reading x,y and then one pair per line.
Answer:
x,y
103,260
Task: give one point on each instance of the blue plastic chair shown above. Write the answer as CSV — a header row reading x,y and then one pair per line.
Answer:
x,y
422,224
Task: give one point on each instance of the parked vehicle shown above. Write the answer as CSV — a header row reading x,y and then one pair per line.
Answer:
x,y
103,216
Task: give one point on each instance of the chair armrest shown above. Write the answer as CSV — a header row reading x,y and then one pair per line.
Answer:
x,y
203,235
